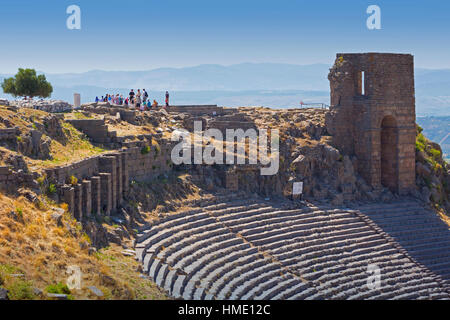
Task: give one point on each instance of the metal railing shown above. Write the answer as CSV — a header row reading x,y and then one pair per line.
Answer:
x,y
314,105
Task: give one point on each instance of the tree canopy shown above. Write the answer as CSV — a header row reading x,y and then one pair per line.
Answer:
x,y
26,83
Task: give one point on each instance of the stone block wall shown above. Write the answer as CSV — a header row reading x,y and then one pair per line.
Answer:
x,y
95,129
9,134
373,116
126,114
10,180
143,165
103,181
198,110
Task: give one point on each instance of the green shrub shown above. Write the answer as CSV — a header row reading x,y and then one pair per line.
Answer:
x,y
73,180
21,290
19,139
19,212
59,288
51,188
436,154
145,150
41,180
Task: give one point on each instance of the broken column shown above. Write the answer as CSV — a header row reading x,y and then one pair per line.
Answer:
x,y
125,174
108,165
95,195
106,193
78,213
119,180
68,196
87,199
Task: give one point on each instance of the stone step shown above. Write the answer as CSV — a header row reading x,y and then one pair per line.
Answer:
x,y
199,248
331,272
264,286
169,222
423,242
361,228
340,224
295,221
194,243
167,245
234,288
220,282
272,216
160,243
277,289
359,285
440,251
339,284
164,229
337,246
328,238
292,290
357,254
240,213
206,259
388,207
255,281
205,275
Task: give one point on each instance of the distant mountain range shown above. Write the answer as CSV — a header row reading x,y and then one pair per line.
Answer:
x,y
269,84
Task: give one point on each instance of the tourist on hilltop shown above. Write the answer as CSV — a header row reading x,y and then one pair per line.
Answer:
x,y
126,102
155,104
121,100
149,105
167,98
131,95
144,96
96,99
138,99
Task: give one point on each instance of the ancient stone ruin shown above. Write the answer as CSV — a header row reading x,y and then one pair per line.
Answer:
x,y
246,236
373,116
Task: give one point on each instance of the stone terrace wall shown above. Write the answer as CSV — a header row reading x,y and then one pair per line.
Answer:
x,y
198,110
102,181
44,105
9,134
10,180
126,114
95,129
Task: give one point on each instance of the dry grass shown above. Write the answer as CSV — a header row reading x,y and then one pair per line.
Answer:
x,y
34,246
22,117
76,148
124,128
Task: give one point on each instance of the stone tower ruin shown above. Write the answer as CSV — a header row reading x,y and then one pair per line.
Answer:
x,y
372,116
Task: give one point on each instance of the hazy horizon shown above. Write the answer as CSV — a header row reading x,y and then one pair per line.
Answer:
x,y
146,35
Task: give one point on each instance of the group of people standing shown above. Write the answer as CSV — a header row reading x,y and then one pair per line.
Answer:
x,y
138,100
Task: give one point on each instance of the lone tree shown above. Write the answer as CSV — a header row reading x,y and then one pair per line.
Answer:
x,y
27,84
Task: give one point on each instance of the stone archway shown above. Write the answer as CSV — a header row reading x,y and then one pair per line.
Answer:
x,y
389,153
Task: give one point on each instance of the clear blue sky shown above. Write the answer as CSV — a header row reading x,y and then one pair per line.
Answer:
x,y
147,34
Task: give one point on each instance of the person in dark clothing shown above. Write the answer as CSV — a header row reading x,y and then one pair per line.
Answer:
x,y
144,96
131,94
167,98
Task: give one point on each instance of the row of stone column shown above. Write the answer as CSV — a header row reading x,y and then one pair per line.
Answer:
x,y
102,193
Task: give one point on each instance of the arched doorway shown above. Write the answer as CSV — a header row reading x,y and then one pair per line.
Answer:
x,y
389,153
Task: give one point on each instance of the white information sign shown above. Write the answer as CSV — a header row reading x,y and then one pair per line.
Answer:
x,y
297,188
